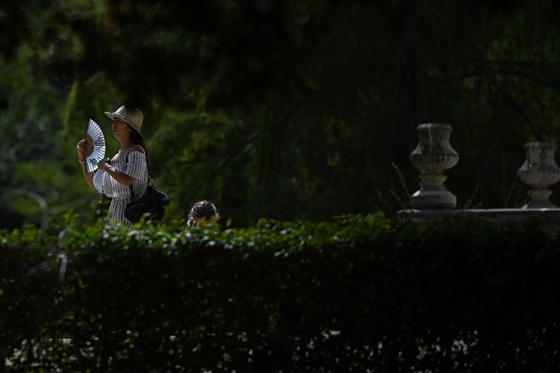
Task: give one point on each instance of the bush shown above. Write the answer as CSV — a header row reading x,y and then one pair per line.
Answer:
x,y
359,293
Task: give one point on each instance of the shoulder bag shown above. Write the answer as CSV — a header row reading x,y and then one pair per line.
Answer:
x,y
152,203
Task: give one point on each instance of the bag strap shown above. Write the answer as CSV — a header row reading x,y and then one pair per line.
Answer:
x,y
149,174
131,190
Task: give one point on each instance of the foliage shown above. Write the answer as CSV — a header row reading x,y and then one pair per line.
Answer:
x,y
291,110
360,293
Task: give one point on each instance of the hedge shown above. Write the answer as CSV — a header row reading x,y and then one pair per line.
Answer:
x,y
356,294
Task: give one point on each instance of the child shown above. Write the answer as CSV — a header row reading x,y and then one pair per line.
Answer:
x,y
203,214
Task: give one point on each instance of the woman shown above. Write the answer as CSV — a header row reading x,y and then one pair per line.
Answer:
x,y
127,168
203,214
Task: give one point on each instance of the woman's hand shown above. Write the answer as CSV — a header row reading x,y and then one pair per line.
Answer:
x,y
81,149
119,176
105,165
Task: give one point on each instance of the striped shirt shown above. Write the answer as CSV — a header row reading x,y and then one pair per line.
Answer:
x,y
119,193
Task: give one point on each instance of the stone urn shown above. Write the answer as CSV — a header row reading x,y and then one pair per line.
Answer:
x,y
432,157
539,171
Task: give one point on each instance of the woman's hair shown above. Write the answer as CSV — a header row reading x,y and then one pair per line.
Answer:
x,y
137,139
205,212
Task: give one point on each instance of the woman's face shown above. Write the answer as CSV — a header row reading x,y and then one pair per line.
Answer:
x,y
121,129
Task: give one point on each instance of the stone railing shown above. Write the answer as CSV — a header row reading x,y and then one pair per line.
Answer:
x,y
434,155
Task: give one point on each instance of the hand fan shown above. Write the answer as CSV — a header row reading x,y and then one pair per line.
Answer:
x,y
95,145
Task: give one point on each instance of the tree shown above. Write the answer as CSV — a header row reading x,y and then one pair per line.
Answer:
x,y
300,109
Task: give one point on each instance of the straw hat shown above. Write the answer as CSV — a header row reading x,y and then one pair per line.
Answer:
x,y
132,116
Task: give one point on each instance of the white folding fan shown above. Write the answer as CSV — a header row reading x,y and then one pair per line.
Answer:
x,y
95,145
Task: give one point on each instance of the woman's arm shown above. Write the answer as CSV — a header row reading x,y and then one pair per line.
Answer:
x,y
81,150
120,176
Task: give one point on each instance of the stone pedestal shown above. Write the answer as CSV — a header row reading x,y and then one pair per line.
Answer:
x,y
432,157
548,218
539,171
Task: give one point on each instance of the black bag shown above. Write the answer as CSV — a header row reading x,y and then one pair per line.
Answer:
x,y
152,203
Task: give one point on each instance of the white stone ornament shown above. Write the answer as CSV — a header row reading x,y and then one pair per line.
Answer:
x,y
539,171
432,157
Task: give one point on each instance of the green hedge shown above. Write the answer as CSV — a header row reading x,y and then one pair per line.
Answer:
x,y
360,293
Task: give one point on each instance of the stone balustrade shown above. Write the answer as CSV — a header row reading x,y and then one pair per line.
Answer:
x,y
434,155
